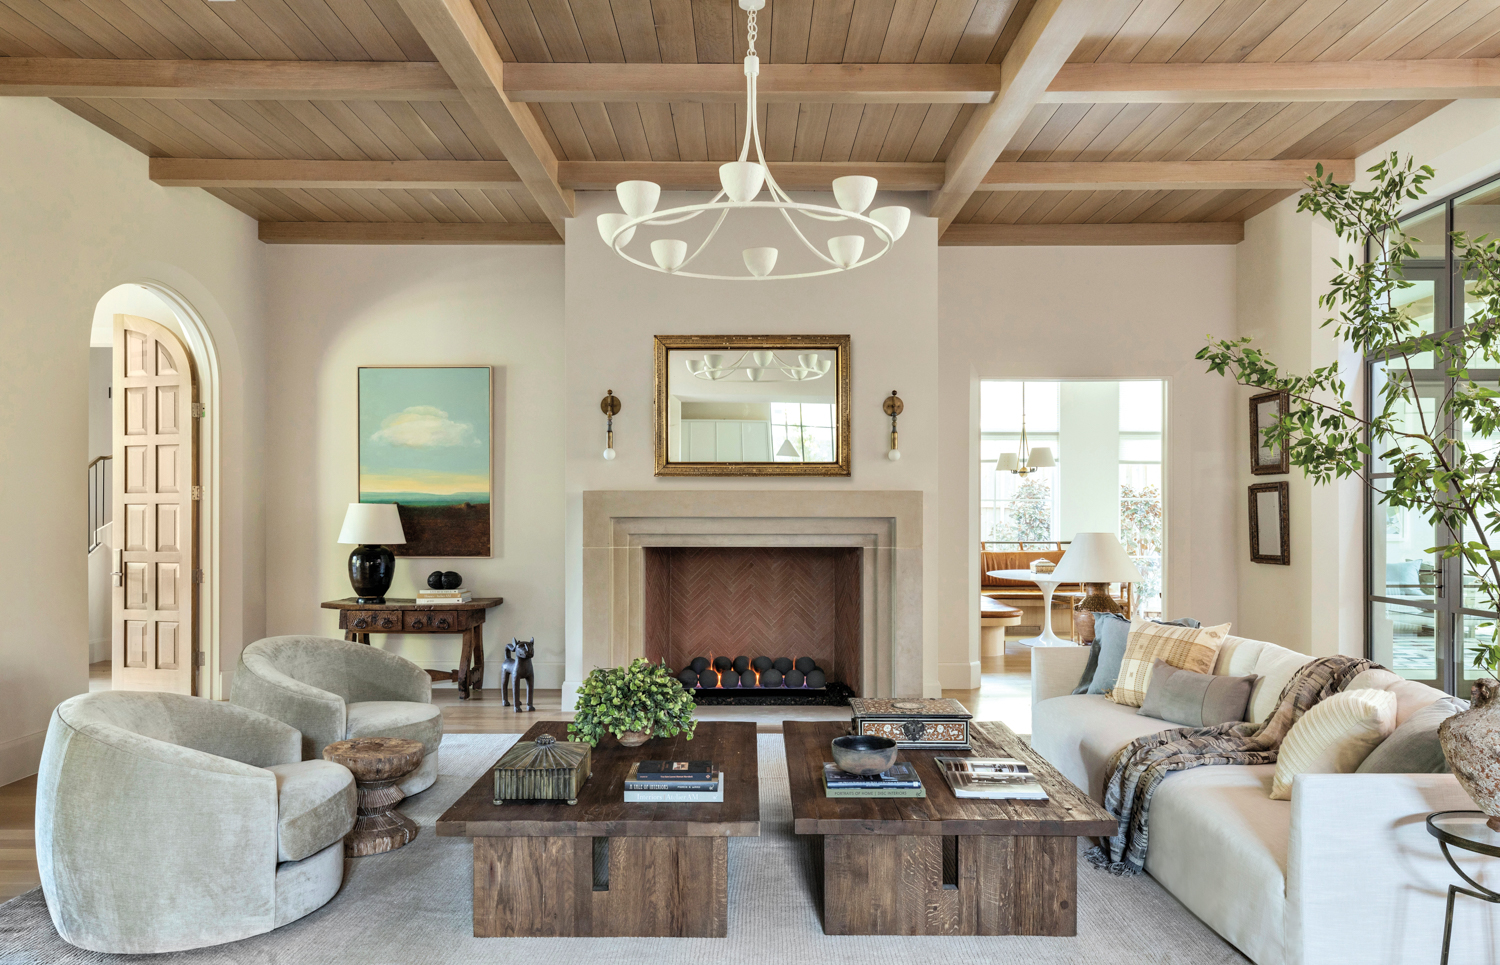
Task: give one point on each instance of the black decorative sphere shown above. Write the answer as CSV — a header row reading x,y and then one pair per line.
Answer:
x,y
817,679
770,678
722,664
793,678
761,663
783,664
806,664
747,679
435,580
699,664
708,677
451,580
741,664
689,678
730,680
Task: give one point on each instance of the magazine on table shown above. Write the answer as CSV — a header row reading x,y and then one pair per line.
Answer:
x,y
991,778
900,775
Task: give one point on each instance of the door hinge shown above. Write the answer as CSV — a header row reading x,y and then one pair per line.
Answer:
x,y
200,659
197,576
197,492
199,410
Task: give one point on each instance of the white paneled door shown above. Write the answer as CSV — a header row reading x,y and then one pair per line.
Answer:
x,y
153,601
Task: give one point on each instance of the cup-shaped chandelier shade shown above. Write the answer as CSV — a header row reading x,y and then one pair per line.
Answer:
x,y
669,253
713,360
788,449
1096,558
373,524
895,217
742,180
846,249
1040,458
854,192
763,359
760,261
610,223
638,197
1008,462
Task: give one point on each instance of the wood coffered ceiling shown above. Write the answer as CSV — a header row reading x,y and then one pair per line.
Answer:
x,y
1025,121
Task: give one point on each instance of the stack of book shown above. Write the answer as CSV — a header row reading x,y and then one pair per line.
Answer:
x,y
900,781
444,596
991,778
674,782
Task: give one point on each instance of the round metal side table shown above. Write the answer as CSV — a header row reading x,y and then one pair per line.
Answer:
x,y
1470,831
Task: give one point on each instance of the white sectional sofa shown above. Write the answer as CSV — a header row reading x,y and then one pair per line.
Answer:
x,y
1343,872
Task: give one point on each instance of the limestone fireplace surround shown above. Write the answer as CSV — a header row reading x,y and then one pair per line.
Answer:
x,y
886,526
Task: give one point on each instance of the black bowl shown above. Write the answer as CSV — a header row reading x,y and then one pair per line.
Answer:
x,y
858,754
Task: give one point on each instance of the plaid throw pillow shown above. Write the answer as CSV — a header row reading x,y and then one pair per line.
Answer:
x,y
1186,648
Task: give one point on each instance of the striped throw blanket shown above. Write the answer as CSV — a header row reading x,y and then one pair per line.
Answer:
x,y
1138,768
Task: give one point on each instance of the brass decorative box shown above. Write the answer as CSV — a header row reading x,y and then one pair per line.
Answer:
x,y
542,770
915,722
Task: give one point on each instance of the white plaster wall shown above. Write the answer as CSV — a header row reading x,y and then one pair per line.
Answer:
x,y
335,308
1091,313
80,216
614,309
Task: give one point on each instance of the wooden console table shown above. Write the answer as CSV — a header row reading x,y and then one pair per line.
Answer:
x,y
359,620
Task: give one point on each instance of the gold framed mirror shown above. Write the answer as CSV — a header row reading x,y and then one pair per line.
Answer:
x,y
751,405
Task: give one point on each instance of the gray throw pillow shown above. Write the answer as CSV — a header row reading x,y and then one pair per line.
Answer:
x,y
1413,747
1195,699
1111,634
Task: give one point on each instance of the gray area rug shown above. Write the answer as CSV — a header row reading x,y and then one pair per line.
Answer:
x,y
414,906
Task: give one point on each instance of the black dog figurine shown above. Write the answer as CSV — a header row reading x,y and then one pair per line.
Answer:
x,y
516,668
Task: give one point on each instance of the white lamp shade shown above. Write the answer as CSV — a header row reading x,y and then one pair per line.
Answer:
x,y
669,253
610,223
742,180
1007,462
1040,458
895,218
854,192
760,261
376,524
638,197
787,449
846,249
1096,558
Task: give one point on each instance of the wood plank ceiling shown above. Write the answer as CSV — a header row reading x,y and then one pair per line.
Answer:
x,y
1165,116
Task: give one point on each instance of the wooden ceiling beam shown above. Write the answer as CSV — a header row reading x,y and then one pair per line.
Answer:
x,y
225,79
454,33
1051,32
1151,233
215,173
791,175
401,233
1159,175
778,83
1361,80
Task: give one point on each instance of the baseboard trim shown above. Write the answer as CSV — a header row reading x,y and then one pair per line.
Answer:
x,y
959,676
21,757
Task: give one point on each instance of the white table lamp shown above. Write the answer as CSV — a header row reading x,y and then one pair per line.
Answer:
x,y
373,526
1096,560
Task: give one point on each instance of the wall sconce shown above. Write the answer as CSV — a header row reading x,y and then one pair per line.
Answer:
x,y
892,407
610,406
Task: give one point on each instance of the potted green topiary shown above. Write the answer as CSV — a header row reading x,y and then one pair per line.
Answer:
x,y
634,703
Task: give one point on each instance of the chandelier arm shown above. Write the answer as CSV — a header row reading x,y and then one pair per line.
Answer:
x,y
687,217
810,246
749,99
713,231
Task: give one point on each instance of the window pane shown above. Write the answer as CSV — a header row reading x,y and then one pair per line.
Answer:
x,y
1404,412
1473,631
1401,567
1140,406
1000,406
1405,639
1419,304
817,414
1476,213
1428,232
1474,597
1140,450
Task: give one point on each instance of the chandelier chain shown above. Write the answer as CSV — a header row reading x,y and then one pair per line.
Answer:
x,y
754,32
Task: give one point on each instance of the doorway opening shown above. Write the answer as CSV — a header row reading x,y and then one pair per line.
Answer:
x,y
152,495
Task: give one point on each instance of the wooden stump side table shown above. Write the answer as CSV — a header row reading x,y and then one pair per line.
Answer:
x,y
359,620
377,763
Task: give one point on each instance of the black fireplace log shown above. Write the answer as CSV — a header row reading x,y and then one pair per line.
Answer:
x,y
782,665
689,678
741,664
816,678
806,665
793,678
761,664
699,664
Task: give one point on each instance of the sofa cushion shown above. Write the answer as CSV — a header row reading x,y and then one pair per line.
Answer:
x,y
1195,699
1413,747
1079,733
1219,844
1410,695
397,718
1334,736
315,807
1116,629
1276,667
1184,647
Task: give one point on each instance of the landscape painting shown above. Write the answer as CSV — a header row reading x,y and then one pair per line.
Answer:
x,y
424,444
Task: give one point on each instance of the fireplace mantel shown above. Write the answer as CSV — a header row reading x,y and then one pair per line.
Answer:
x,y
885,525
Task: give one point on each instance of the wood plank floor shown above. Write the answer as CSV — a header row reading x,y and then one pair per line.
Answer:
x,y
1004,694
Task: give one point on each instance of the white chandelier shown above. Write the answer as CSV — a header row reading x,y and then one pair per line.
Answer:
x,y
762,367
742,182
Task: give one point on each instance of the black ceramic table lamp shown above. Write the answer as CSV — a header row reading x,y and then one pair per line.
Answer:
x,y
374,526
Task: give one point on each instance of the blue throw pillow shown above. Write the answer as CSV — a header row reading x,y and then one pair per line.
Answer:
x,y
1111,634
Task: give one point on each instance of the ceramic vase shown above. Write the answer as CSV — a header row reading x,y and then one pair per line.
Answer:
x,y
1471,742
634,738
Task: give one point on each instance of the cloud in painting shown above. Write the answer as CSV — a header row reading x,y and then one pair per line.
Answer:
x,y
424,427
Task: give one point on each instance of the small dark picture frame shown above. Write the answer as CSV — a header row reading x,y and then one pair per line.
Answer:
x,y
1270,529
1266,410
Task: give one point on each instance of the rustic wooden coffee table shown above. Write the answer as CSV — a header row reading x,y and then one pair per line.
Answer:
x,y
943,865
602,867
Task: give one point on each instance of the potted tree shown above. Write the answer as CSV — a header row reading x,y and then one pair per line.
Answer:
x,y
1439,450
633,703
